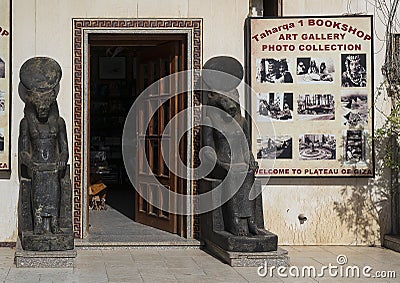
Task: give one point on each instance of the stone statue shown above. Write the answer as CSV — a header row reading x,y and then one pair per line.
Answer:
x,y
237,225
43,156
238,211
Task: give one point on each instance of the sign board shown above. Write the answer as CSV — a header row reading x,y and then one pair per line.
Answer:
x,y
5,83
311,107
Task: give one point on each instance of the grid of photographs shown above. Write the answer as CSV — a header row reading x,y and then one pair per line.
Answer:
x,y
5,86
349,107
2,102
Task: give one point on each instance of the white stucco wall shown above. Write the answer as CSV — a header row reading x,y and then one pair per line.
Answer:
x,y
44,27
338,211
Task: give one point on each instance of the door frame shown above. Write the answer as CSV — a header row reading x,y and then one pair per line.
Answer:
x,y
192,28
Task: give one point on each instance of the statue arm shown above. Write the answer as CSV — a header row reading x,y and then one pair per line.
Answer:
x,y
208,140
63,144
208,137
246,130
24,143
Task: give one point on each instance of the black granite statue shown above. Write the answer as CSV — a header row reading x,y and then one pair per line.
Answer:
x,y
45,213
238,224
238,211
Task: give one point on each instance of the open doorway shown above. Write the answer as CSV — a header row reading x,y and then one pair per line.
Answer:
x,y
121,66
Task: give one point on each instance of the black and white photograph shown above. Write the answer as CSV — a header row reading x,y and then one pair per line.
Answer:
x,y
315,70
1,139
316,106
275,106
2,102
271,70
2,69
279,147
354,72
354,107
354,146
317,147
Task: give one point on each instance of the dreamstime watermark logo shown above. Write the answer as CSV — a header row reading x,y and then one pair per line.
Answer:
x,y
339,270
137,140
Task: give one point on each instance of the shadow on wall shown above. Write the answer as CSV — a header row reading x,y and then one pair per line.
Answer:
x,y
365,205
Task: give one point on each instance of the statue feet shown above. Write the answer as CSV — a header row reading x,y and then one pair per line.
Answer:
x,y
54,227
244,227
238,226
41,226
253,227
38,229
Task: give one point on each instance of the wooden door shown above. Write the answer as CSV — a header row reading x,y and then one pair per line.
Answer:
x,y
154,63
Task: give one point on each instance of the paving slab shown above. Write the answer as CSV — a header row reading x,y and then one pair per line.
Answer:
x,y
187,271
3,273
158,277
53,275
22,275
251,275
149,265
181,262
182,278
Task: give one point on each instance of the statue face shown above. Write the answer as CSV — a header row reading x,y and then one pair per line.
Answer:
x,y
42,103
223,102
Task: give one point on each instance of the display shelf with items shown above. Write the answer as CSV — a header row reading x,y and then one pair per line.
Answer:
x,y
107,122
110,102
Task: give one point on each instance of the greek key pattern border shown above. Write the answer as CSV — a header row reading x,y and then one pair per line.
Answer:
x,y
79,25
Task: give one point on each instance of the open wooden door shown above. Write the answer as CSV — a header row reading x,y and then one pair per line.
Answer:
x,y
154,63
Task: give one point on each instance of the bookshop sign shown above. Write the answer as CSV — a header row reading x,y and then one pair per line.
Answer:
x,y
5,83
313,84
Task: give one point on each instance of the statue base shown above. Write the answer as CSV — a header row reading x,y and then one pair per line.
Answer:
x,y
235,250
257,243
48,259
47,242
249,259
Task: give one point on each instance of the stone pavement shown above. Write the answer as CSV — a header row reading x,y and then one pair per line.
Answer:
x,y
194,265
